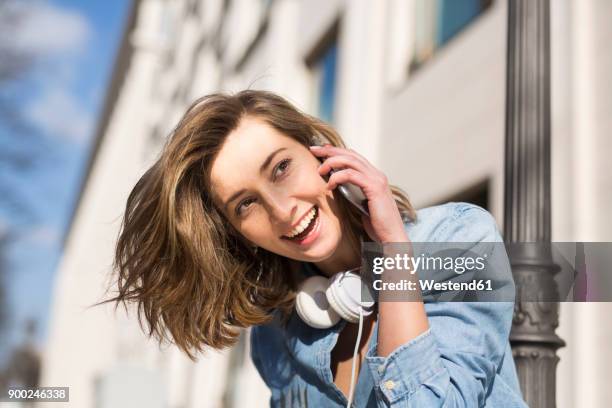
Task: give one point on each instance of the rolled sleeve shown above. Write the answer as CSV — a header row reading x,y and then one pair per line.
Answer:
x,y
453,364
407,368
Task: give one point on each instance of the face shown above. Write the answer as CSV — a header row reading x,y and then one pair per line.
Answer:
x,y
268,187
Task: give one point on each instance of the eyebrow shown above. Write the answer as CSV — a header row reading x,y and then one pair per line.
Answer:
x,y
262,168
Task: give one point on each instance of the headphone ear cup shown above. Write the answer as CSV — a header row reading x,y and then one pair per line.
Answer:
x,y
338,306
312,305
344,295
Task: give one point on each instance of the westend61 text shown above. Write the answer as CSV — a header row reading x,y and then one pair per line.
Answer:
x,y
430,284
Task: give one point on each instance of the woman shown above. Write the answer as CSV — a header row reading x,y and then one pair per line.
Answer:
x,y
241,207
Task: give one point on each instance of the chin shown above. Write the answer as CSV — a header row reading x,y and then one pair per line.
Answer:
x,y
317,253
323,251
324,246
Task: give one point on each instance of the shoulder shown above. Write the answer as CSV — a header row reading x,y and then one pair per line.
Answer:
x,y
453,221
271,356
263,335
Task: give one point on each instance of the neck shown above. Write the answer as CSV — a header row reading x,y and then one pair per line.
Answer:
x,y
346,257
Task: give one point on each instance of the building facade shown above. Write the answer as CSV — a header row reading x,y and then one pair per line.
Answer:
x,y
417,86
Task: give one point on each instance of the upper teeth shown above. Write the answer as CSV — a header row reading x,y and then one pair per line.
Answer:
x,y
303,224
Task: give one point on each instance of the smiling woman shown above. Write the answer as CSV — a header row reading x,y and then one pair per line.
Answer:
x,y
240,215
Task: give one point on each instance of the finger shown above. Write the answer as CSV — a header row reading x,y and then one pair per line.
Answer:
x,y
358,155
347,176
319,151
340,162
330,150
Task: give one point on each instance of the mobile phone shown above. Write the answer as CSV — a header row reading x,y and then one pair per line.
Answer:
x,y
353,194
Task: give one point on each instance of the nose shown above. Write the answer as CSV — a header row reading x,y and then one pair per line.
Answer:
x,y
282,209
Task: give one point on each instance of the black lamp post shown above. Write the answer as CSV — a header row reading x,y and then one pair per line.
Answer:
x,y
527,200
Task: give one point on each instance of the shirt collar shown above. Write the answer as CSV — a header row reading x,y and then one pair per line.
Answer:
x,y
310,347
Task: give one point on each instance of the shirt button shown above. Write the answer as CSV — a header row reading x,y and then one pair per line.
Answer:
x,y
381,368
389,385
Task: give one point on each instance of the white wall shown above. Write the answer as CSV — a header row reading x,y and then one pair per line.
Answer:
x,y
582,185
443,131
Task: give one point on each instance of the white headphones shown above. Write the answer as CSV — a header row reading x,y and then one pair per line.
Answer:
x,y
322,302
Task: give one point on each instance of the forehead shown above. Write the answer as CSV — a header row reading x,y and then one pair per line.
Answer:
x,y
242,154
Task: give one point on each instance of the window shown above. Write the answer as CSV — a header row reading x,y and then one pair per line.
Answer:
x,y
436,22
476,194
327,84
323,65
453,15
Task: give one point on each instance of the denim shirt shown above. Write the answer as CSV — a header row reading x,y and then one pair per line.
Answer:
x,y
463,360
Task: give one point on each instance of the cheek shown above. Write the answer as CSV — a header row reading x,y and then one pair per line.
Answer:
x,y
313,185
256,229
310,182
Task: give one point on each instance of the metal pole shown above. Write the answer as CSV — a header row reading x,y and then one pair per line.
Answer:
x,y
527,200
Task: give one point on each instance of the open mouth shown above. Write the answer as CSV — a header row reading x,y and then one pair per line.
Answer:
x,y
305,227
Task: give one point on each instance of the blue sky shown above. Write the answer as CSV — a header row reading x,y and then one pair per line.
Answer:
x,y
75,43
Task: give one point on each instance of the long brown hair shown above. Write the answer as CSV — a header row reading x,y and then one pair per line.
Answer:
x,y
195,281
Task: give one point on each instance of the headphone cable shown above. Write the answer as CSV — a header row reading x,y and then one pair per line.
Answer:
x,y
355,353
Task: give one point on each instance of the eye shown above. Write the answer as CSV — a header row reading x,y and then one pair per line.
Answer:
x,y
281,168
243,205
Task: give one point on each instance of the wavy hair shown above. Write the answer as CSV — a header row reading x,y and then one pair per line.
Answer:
x,y
194,279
